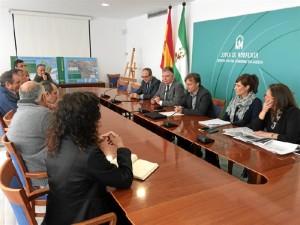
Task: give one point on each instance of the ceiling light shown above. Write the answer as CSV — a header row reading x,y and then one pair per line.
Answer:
x,y
105,4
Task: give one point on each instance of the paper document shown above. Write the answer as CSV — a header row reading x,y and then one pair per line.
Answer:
x,y
171,113
247,135
214,123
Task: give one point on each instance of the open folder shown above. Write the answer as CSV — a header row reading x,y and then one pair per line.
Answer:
x,y
141,168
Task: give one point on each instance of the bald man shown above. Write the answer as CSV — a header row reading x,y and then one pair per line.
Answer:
x,y
28,128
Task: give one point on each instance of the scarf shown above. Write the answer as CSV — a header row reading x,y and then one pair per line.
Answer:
x,y
242,104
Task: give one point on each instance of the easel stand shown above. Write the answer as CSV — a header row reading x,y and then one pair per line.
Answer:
x,y
131,69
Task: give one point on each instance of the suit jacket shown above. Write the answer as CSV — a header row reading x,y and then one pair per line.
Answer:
x,y
174,96
148,94
8,101
78,180
204,105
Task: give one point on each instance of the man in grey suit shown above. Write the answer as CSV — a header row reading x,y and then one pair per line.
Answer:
x,y
28,128
170,91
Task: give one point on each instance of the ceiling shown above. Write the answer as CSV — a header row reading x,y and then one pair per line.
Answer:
x,y
121,9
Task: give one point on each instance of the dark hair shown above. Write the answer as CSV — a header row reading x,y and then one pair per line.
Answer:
x,y
168,68
40,65
195,76
8,77
47,85
17,62
251,80
76,117
149,71
283,97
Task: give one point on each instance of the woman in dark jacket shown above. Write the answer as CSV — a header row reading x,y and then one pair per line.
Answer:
x,y
280,115
77,168
245,106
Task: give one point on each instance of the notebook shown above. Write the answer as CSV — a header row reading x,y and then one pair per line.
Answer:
x,y
141,168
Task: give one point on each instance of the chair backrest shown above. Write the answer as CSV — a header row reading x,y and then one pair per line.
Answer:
x,y
8,116
123,85
3,127
113,80
134,87
15,193
109,217
219,106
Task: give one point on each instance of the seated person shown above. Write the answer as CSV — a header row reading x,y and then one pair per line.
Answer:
x,y
170,91
77,167
280,115
41,74
51,93
9,91
28,128
149,86
24,74
197,101
245,106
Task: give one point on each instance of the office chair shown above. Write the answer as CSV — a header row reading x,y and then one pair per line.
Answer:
x,y
8,116
122,85
25,176
219,106
113,80
134,87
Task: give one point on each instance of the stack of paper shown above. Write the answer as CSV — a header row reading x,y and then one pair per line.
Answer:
x,y
214,123
247,135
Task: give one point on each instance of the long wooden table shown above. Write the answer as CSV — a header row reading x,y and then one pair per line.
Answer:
x,y
187,190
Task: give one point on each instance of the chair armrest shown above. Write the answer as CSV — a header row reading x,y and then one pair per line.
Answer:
x,y
37,193
36,175
108,217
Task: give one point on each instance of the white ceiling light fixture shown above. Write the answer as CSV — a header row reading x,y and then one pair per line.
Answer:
x,y
105,4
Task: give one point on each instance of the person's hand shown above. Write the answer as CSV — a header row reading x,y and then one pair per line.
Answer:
x,y
116,140
51,106
178,109
44,77
108,149
155,100
134,95
263,134
105,136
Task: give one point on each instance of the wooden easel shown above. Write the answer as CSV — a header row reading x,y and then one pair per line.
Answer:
x,y
131,68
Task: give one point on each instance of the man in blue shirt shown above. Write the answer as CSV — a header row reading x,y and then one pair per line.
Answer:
x,y
9,91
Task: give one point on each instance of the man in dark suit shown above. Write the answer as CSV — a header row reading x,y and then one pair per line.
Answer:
x,y
41,74
170,91
197,101
149,86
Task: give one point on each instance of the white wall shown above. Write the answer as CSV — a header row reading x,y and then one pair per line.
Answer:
x,y
148,34
7,46
108,40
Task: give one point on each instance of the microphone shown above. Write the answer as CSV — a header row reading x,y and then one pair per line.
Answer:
x,y
168,124
114,100
141,110
104,95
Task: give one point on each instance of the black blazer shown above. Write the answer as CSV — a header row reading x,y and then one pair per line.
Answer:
x,y
148,94
204,104
288,126
78,181
39,79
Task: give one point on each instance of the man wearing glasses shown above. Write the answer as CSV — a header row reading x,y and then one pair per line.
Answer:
x,y
149,86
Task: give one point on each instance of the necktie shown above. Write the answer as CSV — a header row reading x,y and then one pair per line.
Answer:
x,y
147,86
166,93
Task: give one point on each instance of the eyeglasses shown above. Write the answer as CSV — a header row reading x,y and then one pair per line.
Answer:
x,y
268,97
145,77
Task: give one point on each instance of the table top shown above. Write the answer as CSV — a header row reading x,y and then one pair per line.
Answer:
x,y
187,190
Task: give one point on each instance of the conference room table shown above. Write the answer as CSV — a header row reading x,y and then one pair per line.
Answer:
x,y
188,190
